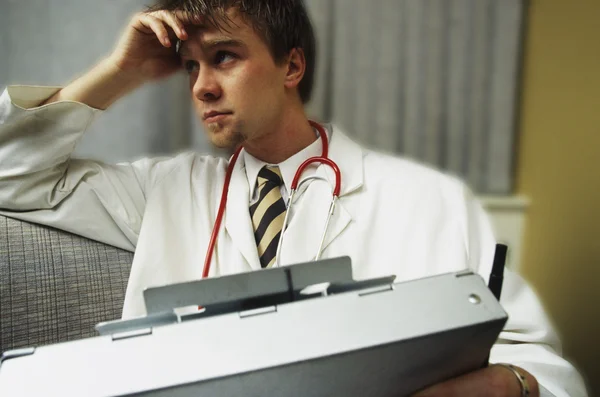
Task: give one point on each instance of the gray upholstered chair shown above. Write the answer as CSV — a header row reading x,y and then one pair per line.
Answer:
x,y
54,286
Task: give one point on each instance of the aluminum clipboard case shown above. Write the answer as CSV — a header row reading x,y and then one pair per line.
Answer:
x,y
304,330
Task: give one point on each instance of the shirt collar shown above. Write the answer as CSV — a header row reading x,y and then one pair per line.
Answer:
x,y
287,168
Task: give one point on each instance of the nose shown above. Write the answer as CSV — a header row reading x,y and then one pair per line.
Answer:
x,y
206,86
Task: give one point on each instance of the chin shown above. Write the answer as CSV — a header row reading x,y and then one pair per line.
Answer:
x,y
223,137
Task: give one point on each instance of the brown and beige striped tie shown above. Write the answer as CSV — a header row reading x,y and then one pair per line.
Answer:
x,y
268,214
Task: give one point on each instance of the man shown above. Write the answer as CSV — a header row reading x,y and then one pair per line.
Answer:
x,y
250,66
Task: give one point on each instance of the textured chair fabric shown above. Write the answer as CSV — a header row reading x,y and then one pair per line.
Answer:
x,y
55,286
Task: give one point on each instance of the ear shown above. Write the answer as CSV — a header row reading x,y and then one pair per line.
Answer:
x,y
296,66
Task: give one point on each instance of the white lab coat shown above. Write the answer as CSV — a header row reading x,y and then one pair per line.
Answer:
x,y
393,217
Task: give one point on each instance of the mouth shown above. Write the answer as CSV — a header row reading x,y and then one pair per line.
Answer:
x,y
214,116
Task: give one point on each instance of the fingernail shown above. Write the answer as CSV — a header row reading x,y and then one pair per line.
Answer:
x,y
167,42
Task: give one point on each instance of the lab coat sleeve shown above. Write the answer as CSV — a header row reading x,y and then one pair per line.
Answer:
x,y
528,339
41,183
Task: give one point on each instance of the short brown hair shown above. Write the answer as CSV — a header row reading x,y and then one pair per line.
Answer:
x,y
283,24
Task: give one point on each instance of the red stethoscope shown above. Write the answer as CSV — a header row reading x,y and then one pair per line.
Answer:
x,y
296,183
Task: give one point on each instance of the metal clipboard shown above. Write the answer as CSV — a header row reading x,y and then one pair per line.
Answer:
x,y
307,329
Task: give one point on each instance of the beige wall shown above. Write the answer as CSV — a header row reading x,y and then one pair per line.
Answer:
x,y
559,170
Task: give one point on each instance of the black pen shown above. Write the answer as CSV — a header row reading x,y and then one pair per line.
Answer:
x,y
497,277
497,274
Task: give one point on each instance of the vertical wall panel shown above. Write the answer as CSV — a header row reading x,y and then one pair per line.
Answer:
x,y
415,78
434,80
503,91
434,87
457,78
480,93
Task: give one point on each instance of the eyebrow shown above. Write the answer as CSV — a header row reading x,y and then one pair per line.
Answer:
x,y
223,42
211,44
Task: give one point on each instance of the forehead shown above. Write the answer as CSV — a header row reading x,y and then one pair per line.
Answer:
x,y
235,32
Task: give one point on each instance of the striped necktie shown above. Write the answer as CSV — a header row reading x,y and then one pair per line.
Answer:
x,y
267,214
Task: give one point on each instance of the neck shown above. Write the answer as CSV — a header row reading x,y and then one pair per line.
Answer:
x,y
291,135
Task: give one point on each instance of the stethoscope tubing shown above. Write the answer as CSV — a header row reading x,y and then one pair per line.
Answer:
x,y
323,159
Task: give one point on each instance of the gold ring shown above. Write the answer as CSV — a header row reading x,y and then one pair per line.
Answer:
x,y
525,391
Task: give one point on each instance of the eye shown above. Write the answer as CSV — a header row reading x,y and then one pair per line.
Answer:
x,y
223,56
191,66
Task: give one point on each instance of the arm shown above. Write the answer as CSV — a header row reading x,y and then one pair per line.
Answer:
x,y
39,182
144,53
39,128
527,341
99,88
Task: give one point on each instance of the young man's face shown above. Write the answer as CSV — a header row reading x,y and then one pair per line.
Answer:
x,y
237,88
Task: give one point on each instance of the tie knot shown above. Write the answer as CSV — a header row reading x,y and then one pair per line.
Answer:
x,y
271,175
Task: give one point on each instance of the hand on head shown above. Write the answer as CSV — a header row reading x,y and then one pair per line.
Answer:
x,y
146,50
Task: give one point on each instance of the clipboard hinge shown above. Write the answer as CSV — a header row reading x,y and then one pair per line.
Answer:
x,y
258,312
464,273
8,355
131,334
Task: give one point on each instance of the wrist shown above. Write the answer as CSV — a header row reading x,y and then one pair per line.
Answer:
x,y
113,70
105,84
100,87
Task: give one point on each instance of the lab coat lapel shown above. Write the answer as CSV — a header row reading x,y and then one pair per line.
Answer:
x,y
237,215
304,233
